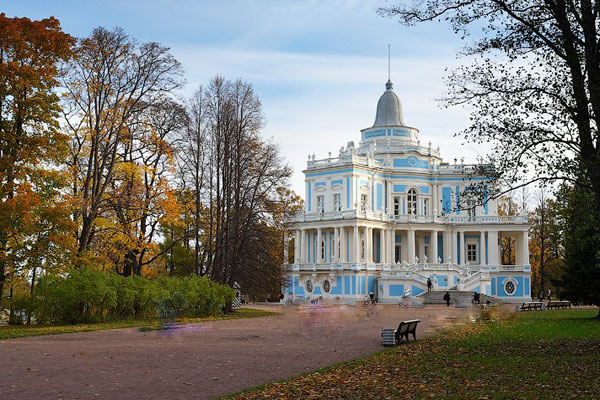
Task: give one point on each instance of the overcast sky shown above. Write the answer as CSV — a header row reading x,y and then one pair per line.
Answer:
x,y
319,67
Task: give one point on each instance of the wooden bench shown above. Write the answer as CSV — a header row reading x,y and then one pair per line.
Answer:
x,y
558,304
406,328
534,305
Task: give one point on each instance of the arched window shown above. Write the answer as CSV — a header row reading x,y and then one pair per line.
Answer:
x,y
412,202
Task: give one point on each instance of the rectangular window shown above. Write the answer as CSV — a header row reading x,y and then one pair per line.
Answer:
x,y
471,209
323,250
396,205
425,206
397,253
320,204
364,250
412,202
337,202
472,253
363,202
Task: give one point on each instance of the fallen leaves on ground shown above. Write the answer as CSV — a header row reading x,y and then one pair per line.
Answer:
x,y
549,355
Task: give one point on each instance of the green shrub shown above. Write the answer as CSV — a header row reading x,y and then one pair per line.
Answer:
x,y
87,295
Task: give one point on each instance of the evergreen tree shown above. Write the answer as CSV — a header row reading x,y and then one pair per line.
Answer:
x,y
580,281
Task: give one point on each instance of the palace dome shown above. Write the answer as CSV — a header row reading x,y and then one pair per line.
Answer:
x,y
389,109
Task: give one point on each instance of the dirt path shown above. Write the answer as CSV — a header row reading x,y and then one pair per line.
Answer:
x,y
199,361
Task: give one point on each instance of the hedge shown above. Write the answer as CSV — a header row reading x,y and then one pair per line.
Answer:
x,y
87,295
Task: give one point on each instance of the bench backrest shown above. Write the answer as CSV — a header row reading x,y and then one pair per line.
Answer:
x,y
402,328
407,326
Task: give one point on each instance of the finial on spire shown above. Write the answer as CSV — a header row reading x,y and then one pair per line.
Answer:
x,y
388,84
389,62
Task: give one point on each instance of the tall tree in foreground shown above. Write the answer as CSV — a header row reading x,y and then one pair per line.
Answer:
x,y
110,83
546,244
242,175
580,281
193,159
534,88
31,145
140,197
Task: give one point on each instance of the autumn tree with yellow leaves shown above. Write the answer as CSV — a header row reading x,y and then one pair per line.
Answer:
x,y
34,213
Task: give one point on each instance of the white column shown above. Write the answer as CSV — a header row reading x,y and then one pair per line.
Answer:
x,y
356,249
369,244
411,246
453,246
482,248
525,248
286,247
336,237
434,247
342,245
447,247
319,250
463,259
390,198
304,247
392,250
297,247
493,248
434,199
382,246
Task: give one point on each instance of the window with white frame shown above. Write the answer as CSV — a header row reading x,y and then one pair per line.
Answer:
x,y
412,202
363,202
471,208
397,253
472,253
337,202
425,206
323,250
363,249
509,288
309,286
331,248
396,205
320,204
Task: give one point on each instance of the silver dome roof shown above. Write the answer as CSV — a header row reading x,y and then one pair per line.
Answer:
x,y
389,109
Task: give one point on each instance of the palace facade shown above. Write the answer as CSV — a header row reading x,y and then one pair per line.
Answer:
x,y
387,214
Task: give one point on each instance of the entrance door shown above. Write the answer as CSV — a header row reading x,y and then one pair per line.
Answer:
x,y
398,253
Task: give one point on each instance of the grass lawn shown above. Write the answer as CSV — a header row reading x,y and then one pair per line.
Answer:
x,y
17,331
539,354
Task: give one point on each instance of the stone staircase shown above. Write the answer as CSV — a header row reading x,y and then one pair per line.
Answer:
x,y
458,298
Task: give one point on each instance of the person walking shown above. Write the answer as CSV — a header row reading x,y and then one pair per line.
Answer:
x,y
549,295
429,284
447,298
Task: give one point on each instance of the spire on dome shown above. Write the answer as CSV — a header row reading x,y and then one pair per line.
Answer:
x,y
389,109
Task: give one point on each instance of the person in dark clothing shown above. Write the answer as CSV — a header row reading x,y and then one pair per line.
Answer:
x,y
429,284
447,298
476,298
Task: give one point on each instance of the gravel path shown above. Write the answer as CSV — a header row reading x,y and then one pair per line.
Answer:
x,y
200,361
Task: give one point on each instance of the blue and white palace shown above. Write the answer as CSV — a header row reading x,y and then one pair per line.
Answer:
x,y
387,214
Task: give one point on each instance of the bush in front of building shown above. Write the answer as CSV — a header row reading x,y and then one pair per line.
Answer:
x,y
87,295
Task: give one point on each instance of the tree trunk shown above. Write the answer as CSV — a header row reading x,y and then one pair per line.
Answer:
x,y
2,280
31,293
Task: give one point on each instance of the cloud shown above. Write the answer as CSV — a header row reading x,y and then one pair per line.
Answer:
x,y
315,103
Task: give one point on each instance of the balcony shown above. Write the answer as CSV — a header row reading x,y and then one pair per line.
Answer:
x,y
407,219
405,269
486,219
